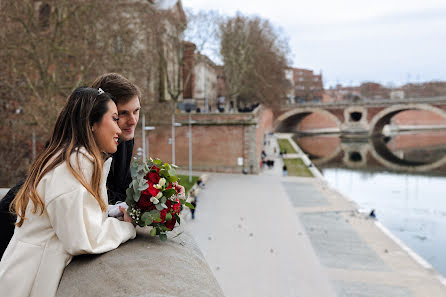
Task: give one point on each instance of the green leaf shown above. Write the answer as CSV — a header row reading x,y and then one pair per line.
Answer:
x,y
133,171
129,192
154,213
178,218
166,165
147,218
136,196
163,236
172,172
189,205
169,192
159,207
164,172
168,217
157,162
163,200
172,178
182,201
153,232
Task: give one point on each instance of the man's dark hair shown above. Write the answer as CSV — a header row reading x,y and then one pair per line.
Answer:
x,y
118,86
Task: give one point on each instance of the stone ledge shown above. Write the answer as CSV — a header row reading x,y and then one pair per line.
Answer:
x,y
145,266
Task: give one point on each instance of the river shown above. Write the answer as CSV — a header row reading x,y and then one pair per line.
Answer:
x,y
401,177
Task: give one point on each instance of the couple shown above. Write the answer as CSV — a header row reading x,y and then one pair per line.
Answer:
x,y
62,205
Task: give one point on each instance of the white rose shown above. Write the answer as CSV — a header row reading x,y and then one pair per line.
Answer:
x,y
157,186
162,181
154,200
159,195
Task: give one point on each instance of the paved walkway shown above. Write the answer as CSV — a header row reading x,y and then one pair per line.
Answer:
x,y
269,235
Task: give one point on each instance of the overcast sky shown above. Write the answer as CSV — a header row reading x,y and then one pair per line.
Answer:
x,y
352,41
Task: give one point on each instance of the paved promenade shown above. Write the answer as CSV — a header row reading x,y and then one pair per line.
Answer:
x,y
269,235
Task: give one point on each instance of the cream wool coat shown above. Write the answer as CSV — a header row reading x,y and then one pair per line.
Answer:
x,y
72,224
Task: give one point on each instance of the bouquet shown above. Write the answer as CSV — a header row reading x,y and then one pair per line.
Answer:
x,y
154,196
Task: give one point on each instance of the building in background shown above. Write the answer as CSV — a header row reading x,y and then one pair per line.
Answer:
x,y
200,80
305,85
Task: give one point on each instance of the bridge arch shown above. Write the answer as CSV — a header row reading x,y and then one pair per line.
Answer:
x,y
291,118
383,117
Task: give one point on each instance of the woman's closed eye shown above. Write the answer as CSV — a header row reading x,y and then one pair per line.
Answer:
x,y
116,119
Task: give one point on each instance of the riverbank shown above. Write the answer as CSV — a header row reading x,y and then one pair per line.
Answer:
x,y
270,235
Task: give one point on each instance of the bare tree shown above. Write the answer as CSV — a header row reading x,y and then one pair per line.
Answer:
x,y
255,59
49,48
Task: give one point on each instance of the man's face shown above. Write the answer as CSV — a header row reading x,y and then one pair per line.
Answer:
x,y
128,118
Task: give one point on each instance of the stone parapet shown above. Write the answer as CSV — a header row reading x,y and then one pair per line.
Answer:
x,y
145,266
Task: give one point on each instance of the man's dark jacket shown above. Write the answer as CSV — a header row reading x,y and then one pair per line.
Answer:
x,y
117,182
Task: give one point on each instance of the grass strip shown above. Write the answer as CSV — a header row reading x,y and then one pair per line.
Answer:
x,y
296,167
284,144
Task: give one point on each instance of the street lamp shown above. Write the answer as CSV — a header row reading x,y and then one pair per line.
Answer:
x,y
144,129
173,136
189,135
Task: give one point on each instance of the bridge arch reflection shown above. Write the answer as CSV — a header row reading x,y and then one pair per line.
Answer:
x,y
371,152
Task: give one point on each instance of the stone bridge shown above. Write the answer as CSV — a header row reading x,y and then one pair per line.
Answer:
x,y
366,117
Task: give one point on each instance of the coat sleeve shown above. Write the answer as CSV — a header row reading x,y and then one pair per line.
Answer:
x,y
82,227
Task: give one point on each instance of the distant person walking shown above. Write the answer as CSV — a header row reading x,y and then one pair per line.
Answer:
x,y
284,170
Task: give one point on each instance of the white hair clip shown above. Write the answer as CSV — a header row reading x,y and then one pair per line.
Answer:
x,y
100,91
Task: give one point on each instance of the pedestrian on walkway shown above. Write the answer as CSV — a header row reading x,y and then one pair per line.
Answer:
x,y
285,170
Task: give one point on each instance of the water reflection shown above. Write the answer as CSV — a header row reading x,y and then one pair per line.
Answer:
x,y
402,177
411,152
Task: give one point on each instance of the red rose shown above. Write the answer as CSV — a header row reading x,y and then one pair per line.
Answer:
x,y
177,206
163,215
151,189
153,177
171,224
144,201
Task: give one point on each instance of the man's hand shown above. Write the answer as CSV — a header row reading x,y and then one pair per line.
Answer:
x,y
127,218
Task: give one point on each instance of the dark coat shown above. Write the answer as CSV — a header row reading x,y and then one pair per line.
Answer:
x,y
118,180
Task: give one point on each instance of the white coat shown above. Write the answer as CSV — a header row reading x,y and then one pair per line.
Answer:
x,y
72,224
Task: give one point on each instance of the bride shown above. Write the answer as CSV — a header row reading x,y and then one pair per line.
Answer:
x,y
62,205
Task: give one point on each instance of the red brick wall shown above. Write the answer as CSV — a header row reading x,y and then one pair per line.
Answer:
x,y
217,140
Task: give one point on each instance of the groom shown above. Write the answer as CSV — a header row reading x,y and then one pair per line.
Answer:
x,y
127,97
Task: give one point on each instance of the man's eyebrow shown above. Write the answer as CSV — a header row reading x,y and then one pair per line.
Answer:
x,y
123,111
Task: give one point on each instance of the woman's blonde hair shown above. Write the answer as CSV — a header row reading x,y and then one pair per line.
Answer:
x,y
73,130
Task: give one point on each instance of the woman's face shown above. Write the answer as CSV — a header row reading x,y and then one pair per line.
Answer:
x,y
106,131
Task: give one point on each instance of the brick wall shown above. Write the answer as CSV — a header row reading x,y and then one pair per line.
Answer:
x,y
218,140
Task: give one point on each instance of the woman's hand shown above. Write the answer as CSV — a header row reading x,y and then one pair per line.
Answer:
x,y
127,218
